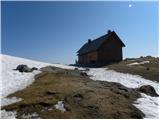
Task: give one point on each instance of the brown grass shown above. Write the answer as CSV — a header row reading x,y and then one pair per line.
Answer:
x,y
83,98
148,70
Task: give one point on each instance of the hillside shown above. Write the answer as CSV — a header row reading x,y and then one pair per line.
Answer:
x,y
147,67
53,92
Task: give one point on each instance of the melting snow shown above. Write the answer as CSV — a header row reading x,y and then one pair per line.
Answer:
x,y
30,116
147,104
144,62
60,106
12,81
128,80
140,63
135,63
6,101
8,115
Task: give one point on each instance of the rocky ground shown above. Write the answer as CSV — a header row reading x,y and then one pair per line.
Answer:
x,y
147,67
81,97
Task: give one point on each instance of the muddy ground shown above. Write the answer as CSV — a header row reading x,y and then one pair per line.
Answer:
x,y
82,97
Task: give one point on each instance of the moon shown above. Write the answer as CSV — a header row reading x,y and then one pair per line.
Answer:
x,y
130,5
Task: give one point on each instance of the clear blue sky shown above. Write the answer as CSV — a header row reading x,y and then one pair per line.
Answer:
x,y
54,31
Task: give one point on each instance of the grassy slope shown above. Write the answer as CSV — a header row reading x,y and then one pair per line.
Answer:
x,y
148,70
83,98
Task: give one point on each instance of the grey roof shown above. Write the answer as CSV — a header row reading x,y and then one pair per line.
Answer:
x,y
95,44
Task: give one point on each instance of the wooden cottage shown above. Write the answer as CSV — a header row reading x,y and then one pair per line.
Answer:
x,y
101,51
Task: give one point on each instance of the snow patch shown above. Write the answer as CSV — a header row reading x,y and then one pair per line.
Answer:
x,y
140,63
147,104
12,81
128,80
7,114
60,106
135,63
144,62
30,116
6,101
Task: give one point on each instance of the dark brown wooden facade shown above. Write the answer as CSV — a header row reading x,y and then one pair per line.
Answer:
x,y
101,51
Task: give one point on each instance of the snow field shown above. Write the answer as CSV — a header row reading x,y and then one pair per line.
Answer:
x,y
12,81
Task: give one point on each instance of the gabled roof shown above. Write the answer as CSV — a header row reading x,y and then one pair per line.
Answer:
x,y
95,44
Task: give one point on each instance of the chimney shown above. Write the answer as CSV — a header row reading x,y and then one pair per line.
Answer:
x,y
89,40
109,31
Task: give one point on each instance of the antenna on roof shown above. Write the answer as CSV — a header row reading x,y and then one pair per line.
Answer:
x,y
89,40
109,31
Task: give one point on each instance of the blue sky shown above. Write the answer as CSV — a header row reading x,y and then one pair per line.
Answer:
x,y
54,31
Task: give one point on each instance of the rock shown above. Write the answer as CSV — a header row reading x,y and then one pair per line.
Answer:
x,y
87,69
83,74
75,68
149,90
34,68
23,68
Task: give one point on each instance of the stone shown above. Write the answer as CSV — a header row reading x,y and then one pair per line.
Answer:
x,y
149,90
25,68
